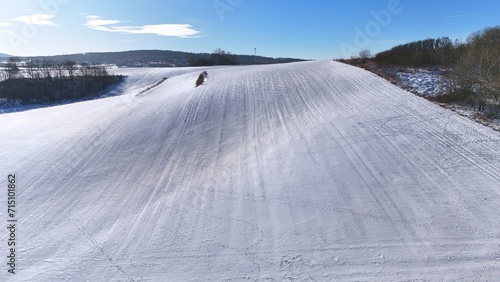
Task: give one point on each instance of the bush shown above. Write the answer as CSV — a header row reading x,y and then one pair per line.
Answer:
x,y
459,95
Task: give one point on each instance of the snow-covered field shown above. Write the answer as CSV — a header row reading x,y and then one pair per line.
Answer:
x,y
313,171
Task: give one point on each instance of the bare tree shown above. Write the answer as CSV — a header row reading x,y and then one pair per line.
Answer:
x,y
70,67
58,67
365,54
3,74
46,67
478,68
12,67
98,71
33,68
85,69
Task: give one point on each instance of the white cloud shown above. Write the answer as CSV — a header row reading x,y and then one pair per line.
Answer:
x,y
174,30
95,21
4,24
36,19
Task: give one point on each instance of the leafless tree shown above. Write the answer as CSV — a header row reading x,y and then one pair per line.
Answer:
x,y
33,68
3,74
478,68
58,69
70,67
46,67
12,67
365,54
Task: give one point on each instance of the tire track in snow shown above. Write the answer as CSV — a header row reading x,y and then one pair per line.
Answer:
x,y
431,133
303,171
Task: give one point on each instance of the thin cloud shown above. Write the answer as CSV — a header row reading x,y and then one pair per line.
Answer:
x,y
173,30
36,19
464,16
2,24
95,22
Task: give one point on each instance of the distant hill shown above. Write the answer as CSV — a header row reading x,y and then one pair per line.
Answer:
x,y
2,55
158,58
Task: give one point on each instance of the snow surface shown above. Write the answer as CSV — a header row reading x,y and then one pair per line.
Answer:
x,y
424,82
312,171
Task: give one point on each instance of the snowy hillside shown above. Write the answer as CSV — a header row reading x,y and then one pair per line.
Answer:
x,y
313,171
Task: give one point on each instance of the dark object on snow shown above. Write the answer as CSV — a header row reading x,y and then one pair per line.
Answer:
x,y
201,78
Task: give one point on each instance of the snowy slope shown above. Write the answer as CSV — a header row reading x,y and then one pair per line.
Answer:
x,y
313,171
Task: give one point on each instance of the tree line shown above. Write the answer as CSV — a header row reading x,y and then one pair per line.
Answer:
x,y
428,52
41,81
472,67
217,58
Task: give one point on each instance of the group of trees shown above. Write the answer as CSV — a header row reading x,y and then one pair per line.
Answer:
x,y
40,81
9,69
473,66
428,52
475,75
218,57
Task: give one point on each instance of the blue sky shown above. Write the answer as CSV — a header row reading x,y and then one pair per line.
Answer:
x,y
311,29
